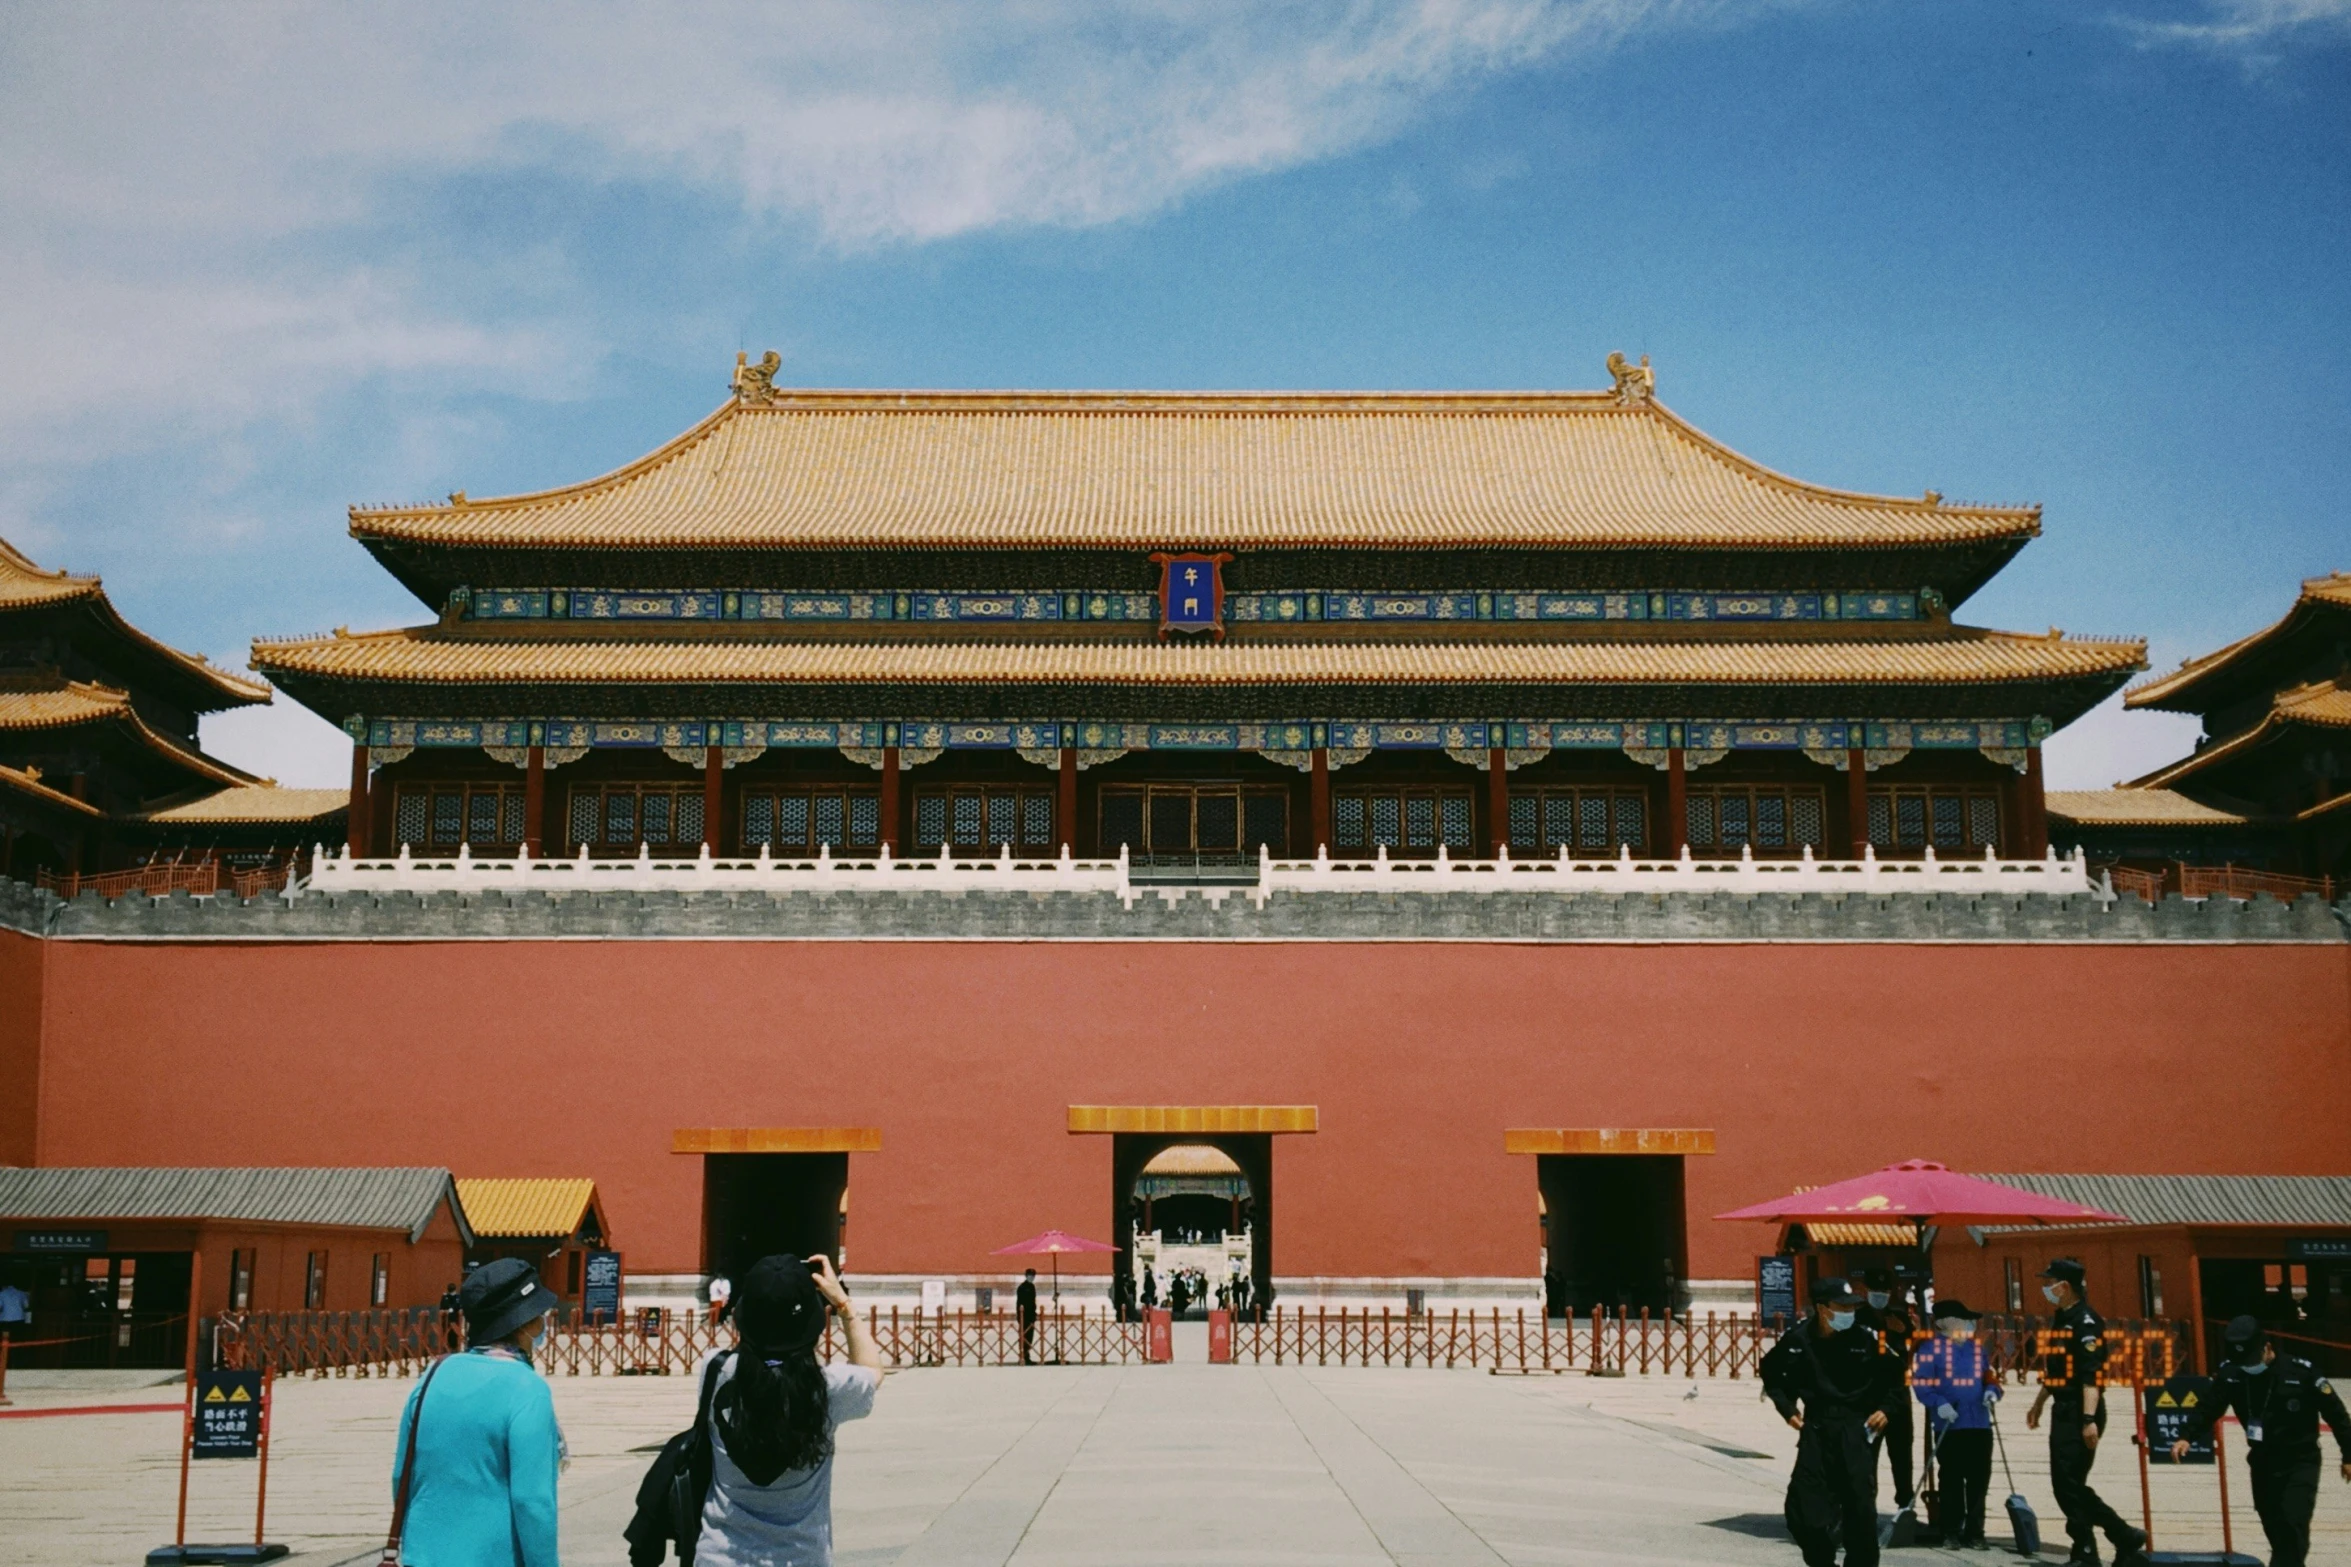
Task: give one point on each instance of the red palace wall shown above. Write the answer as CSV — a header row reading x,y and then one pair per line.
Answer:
x,y
1809,1061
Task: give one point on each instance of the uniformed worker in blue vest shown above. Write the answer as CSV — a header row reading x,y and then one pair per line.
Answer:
x,y
1833,1381
2278,1399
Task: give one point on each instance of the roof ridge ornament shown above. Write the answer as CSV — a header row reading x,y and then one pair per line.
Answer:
x,y
755,383
1635,383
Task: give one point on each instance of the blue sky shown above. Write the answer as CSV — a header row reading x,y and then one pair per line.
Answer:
x,y
257,263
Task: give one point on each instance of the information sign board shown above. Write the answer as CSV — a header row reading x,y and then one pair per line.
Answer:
x,y
228,1415
2319,1248
1775,1288
2169,1408
600,1287
61,1240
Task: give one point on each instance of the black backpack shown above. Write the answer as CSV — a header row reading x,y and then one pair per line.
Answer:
x,y
669,1501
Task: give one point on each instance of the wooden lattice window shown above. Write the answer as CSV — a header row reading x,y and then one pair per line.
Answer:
x,y
619,817
984,816
1770,819
440,816
1582,821
1949,818
1413,820
796,821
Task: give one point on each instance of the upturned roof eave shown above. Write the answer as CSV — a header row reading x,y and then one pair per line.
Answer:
x,y
2188,689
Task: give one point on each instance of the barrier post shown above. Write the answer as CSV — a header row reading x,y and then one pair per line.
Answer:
x,y
261,1492
188,1415
3,1371
2220,1461
2139,1419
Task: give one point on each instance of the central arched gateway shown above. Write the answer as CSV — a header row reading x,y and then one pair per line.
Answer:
x,y
1242,1134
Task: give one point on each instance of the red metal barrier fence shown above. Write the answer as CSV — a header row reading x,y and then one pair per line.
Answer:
x,y
2216,881
1630,1343
656,1341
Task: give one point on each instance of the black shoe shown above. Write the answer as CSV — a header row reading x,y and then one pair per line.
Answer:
x,y
2129,1546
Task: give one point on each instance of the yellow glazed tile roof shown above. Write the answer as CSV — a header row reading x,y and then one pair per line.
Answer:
x,y
500,1209
2333,589
1133,470
27,781
261,802
2325,703
64,704
24,585
2136,808
1901,1235
418,656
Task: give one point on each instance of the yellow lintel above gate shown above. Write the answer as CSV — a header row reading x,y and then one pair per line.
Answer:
x,y
1609,1139
776,1139
1192,1118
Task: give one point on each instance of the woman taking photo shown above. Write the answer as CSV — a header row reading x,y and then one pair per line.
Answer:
x,y
480,1433
772,1419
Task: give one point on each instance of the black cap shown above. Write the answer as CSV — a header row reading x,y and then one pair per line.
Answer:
x,y
1953,1311
2242,1331
499,1297
1834,1292
2065,1268
778,1308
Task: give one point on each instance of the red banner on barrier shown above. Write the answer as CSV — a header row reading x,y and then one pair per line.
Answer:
x,y
1220,1338
1162,1323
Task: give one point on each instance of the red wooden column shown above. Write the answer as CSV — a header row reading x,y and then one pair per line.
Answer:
x,y
713,778
355,822
1066,802
1320,797
1677,802
2036,807
890,838
534,800
1497,801
1857,800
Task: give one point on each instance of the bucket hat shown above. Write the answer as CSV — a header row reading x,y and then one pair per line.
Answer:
x,y
499,1297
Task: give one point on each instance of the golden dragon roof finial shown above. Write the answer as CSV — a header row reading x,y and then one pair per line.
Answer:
x,y
755,383
1635,383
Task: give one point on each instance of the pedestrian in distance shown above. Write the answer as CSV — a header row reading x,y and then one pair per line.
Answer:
x,y
16,1309
722,1290
1025,1299
2279,1400
475,1462
1832,1381
1150,1289
2074,1356
773,1415
1884,1312
1949,1374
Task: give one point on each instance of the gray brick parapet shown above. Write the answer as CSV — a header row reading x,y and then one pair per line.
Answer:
x,y
1185,915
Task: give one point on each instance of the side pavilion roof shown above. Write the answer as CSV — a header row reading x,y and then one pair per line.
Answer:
x,y
2234,672
847,470
27,589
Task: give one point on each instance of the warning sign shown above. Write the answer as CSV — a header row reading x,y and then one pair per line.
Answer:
x,y
2169,1409
228,1415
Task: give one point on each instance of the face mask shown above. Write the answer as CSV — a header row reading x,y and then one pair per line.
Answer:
x,y
2052,1293
1878,1299
1958,1329
1839,1321
2254,1368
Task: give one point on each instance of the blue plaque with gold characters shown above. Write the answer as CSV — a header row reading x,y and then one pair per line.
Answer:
x,y
1191,593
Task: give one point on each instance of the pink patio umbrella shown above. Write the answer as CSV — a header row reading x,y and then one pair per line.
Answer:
x,y
1052,1243
1926,1194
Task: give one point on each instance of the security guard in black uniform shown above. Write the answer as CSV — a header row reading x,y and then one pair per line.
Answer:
x,y
1831,1379
2278,1400
2075,1356
1887,1314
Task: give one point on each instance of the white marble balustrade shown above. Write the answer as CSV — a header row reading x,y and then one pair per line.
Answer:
x,y
462,873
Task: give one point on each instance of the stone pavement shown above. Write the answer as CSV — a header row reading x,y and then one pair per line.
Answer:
x,y
1160,1464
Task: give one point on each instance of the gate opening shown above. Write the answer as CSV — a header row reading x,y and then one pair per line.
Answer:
x,y
757,1205
1614,1231
1195,1206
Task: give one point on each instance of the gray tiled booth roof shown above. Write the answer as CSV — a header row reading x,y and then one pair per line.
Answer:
x,y
2281,1200
376,1199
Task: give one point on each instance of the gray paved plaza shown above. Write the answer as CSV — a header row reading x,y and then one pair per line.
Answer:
x,y
1162,1464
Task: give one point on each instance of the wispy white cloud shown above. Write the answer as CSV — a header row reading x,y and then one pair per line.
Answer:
x,y
2256,32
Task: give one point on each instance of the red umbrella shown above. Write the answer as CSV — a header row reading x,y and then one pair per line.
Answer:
x,y
1925,1193
1052,1243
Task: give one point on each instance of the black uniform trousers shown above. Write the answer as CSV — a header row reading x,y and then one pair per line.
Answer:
x,y
2070,1458
1963,1479
1833,1493
1899,1438
2285,1493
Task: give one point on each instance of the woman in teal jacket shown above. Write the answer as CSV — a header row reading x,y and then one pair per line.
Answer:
x,y
488,1450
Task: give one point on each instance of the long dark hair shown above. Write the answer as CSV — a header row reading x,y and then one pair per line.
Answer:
x,y
775,1413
